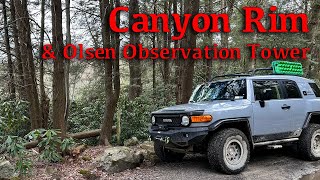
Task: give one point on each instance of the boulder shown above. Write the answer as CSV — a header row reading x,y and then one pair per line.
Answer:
x,y
131,142
147,145
147,150
117,159
7,170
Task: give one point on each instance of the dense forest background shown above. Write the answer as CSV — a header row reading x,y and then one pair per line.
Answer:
x,y
78,95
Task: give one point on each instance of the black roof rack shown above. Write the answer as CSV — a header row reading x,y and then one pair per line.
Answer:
x,y
253,72
231,75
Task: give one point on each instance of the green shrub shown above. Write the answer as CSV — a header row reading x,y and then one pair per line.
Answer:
x,y
14,118
87,112
14,146
135,115
86,116
50,144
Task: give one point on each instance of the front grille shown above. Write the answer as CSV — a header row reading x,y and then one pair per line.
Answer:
x,y
169,120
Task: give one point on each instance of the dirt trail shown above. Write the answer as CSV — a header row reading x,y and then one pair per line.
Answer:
x,y
264,165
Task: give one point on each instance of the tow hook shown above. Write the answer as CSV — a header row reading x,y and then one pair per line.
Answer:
x,y
163,139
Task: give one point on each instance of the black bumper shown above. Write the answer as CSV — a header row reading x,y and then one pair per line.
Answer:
x,y
181,137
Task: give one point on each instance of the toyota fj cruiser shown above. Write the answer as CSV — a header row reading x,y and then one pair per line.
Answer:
x,y
226,119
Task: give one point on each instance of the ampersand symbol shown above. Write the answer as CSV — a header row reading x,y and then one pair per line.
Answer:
x,y
48,53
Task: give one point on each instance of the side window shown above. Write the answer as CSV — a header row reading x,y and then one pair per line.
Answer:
x,y
315,89
260,86
292,89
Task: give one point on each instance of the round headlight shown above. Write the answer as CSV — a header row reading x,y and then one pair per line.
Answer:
x,y
185,121
153,120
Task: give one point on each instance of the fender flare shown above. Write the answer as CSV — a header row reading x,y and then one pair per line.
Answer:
x,y
309,115
213,127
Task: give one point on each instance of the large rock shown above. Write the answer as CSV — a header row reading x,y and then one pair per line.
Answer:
x,y
6,169
147,150
117,159
131,142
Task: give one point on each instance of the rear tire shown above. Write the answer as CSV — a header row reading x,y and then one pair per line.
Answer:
x,y
167,155
229,151
309,143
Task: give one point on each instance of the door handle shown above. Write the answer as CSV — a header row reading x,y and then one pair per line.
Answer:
x,y
285,107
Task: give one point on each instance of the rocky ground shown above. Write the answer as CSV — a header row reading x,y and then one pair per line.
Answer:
x,y
264,164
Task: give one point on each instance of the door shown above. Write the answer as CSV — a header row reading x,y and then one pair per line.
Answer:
x,y
272,121
297,104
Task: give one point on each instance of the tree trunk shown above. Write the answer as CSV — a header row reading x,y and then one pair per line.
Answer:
x,y
166,44
225,36
67,72
208,63
22,17
44,100
79,135
314,25
154,81
116,78
178,62
12,89
20,83
112,83
189,41
59,89
135,88
154,66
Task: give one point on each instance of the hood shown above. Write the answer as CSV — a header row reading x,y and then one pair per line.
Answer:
x,y
206,106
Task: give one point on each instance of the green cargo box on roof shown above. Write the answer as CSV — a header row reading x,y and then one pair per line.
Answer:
x,y
287,68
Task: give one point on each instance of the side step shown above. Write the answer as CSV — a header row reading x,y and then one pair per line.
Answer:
x,y
274,146
276,142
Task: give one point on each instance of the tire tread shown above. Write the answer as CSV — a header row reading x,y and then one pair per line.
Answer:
x,y
215,150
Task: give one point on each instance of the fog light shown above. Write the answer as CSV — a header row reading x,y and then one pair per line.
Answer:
x,y
185,121
153,120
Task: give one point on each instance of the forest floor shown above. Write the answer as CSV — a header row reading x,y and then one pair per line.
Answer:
x,y
264,164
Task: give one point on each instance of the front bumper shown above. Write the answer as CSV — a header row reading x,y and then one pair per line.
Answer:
x,y
181,137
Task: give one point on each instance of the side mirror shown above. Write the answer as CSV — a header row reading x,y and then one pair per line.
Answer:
x,y
266,94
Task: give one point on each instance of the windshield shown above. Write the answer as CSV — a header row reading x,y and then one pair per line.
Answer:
x,y
225,90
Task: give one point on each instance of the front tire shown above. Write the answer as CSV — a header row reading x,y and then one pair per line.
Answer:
x,y
167,155
309,143
229,151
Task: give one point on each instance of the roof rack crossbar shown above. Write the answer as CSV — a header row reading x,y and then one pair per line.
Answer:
x,y
254,71
231,75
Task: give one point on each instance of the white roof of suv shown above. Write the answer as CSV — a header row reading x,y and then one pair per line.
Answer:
x,y
266,77
288,77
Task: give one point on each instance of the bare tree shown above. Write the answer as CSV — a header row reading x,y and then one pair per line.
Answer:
x,y
59,89
189,41
135,88
22,17
208,63
20,83
44,100
178,62
12,89
313,36
227,6
166,44
112,74
154,81
67,72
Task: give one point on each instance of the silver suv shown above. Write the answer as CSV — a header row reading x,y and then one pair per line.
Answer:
x,y
227,119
